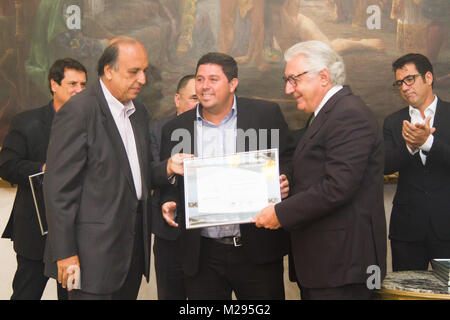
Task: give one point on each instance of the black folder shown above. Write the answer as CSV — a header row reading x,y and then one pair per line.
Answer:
x,y
36,181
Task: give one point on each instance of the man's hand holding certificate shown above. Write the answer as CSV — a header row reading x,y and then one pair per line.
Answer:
x,y
267,217
229,189
284,186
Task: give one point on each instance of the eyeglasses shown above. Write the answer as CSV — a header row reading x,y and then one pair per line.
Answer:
x,y
293,79
408,80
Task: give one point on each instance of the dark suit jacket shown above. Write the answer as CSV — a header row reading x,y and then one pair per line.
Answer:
x,y
155,131
423,192
159,227
336,213
298,134
23,153
262,246
89,191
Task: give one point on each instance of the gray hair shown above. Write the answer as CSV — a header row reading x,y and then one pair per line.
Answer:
x,y
319,56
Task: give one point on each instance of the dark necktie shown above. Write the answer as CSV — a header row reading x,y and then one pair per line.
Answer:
x,y
311,120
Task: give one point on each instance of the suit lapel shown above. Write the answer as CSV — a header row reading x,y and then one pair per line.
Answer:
x,y
402,115
321,119
47,118
440,117
114,136
243,117
440,123
311,131
244,121
139,137
191,127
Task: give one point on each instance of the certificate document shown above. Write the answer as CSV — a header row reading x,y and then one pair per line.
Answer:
x,y
230,189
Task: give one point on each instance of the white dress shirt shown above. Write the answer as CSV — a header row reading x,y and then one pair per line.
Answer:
x,y
121,114
327,97
217,140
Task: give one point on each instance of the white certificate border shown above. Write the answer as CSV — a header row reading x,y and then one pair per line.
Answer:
x,y
186,193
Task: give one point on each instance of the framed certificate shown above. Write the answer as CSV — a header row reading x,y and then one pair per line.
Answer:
x,y
38,197
230,189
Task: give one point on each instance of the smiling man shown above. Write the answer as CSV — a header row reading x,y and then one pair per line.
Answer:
x,y
417,141
24,153
335,214
98,177
239,258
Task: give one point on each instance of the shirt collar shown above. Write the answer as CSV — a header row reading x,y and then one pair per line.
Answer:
x,y
231,114
115,106
429,111
327,97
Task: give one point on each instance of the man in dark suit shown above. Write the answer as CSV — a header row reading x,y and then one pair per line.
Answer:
x,y
336,212
417,142
166,251
239,258
23,154
98,177
185,99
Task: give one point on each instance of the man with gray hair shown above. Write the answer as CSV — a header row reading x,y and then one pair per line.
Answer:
x,y
97,181
336,213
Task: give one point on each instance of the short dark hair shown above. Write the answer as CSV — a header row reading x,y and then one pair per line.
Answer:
x,y
109,57
423,65
228,64
111,53
184,81
56,72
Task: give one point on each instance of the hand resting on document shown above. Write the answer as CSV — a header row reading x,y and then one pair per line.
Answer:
x,y
267,217
175,164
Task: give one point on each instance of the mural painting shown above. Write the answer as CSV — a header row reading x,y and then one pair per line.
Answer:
x,y
370,34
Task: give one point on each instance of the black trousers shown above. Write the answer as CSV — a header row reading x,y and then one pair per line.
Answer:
x,y
169,270
225,268
408,255
348,292
130,288
29,280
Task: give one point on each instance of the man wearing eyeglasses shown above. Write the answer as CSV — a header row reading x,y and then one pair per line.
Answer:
x,y
335,214
417,142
